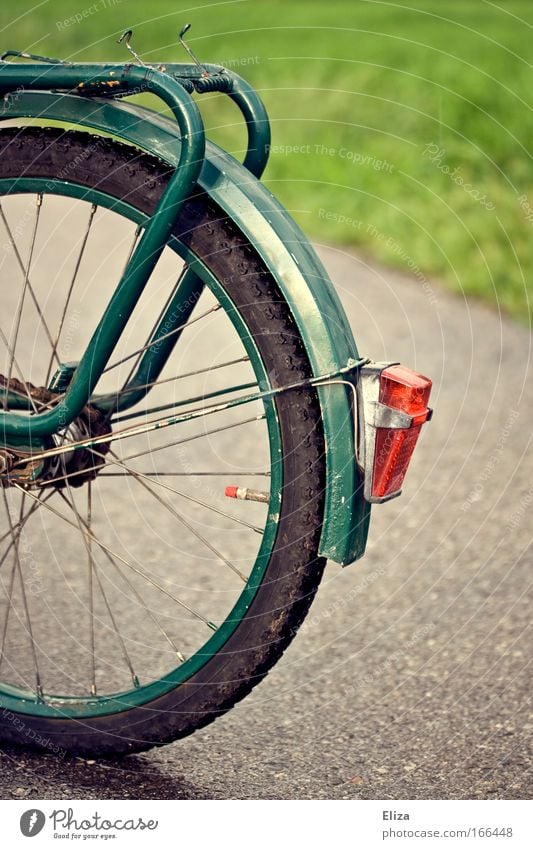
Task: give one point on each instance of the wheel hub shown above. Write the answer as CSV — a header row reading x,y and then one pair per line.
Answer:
x,y
72,467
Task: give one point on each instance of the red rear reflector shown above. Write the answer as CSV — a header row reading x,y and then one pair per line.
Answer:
x,y
403,389
407,391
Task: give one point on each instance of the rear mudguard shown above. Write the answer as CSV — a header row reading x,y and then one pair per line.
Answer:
x,y
291,260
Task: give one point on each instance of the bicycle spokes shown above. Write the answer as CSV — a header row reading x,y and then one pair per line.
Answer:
x,y
70,558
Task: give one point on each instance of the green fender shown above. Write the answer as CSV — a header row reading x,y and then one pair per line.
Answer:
x,y
292,261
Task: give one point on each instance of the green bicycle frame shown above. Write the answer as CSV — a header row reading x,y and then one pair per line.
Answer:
x,y
87,95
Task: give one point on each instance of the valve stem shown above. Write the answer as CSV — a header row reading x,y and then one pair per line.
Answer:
x,y
245,494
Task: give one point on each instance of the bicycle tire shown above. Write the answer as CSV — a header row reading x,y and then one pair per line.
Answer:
x,y
295,569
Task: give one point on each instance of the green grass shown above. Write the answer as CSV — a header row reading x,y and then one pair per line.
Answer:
x,y
357,91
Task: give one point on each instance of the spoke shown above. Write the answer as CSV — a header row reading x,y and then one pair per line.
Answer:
x,y
30,287
183,521
138,231
135,569
185,495
176,405
137,594
160,338
38,687
125,654
192,438
21,524
139,430
111,395
20,307
18,530
148,474
8,609
54,354
156,325
91,569
226,474
3,402
87,538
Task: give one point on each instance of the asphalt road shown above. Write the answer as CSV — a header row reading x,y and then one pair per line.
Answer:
x,y
410,678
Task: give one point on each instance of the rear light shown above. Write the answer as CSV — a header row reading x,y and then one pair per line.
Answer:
x,y
393,406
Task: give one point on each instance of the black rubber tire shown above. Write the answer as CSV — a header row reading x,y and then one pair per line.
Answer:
x,y
294,570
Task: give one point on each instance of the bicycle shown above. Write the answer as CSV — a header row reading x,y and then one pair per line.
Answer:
x,y
173,343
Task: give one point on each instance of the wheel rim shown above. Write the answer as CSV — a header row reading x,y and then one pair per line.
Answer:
x,y
29,701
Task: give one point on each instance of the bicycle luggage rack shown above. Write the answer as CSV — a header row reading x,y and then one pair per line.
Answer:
x,y
173,84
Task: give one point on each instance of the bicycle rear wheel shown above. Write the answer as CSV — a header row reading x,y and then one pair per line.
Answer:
x,y
137,602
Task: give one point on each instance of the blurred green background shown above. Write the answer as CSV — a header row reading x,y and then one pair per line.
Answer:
x,y
401,129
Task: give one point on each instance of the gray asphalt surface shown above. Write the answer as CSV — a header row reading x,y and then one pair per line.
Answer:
x,y
411,677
